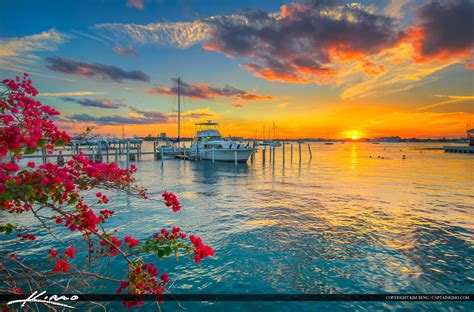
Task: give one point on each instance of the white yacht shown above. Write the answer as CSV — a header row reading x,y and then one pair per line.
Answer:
x,y
209,144
270,143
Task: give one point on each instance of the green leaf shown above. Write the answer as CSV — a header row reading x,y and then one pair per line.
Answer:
x,y
30,150
60,142
7,228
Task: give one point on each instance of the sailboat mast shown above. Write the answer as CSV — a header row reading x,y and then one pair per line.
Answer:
x,y
179,109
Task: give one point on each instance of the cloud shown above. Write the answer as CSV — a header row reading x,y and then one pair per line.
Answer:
x,y
89,70
445,30
451,99
239,105
18,50
204,91
304,42
137,4
153,115
194,114
78,93
395,8
119,120
97,102
346,44
125,51
182,34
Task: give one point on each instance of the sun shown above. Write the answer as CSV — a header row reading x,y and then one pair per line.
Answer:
x,y
352,134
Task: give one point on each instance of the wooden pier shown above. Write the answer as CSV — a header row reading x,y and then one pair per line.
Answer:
x,y
459,149
127,152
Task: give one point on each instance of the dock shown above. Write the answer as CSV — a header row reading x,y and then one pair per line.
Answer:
x,y
459,149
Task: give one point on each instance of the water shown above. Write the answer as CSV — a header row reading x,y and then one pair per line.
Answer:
x,y
346,221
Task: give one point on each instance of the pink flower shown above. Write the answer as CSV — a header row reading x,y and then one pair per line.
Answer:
x,y
24,237
164,278
70,252
130,242
171,201
61,265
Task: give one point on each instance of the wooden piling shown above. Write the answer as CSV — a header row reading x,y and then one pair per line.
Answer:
x,y
283,153
299,150
309,150
43,153
128,154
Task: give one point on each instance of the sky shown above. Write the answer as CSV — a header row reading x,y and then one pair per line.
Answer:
x,y
320,68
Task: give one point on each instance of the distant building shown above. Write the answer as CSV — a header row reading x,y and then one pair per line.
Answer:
x,y
163,135
390,139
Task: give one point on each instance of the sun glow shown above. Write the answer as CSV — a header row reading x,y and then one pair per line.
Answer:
x,y
352,134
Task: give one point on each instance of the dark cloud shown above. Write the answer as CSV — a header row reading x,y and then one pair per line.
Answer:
x,y
97,102
125,51
204,91
193,115
446,29
89,70
148,114
145,118
302,42
118,120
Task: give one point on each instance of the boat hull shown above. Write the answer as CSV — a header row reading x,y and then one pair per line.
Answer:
x,y
228,155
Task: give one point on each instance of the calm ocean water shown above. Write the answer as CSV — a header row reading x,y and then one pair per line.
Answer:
x,y
345,222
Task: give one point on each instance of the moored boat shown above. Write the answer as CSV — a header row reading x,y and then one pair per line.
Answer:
x,y
210,145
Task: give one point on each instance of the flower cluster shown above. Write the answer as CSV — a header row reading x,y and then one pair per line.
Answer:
x,y
143,280
27,236
174,234
130,242
62,265
70,252
25,127
112,248
25,122
171,201
201,251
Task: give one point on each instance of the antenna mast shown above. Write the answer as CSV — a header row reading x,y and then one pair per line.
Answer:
x,y
274,131
179,109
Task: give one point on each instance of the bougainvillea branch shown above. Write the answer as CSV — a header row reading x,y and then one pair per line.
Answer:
x,y
55,196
